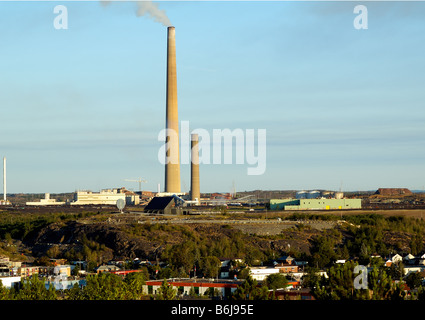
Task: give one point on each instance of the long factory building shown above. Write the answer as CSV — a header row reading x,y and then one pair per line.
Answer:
x,y
315,204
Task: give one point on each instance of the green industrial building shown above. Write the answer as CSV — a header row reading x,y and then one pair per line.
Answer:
x,y
315,204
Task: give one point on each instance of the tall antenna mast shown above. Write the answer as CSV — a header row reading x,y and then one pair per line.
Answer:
x,y
4,179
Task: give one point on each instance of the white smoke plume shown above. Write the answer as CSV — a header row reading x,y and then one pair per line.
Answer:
x,y
152,10
147,7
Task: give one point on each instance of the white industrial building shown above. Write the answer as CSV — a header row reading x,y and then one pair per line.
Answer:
x,y
104,197
107,197
45,202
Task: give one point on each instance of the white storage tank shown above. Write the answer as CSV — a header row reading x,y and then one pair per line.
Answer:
x,y
313,194
301,195
339,195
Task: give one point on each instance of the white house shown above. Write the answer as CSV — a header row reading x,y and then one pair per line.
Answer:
x,y
8,282
396,258
413,269
409,257
261,273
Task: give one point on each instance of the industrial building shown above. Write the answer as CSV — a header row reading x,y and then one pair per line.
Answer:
x,y
315,204
46,202
167,205
104,197
200,286
160,205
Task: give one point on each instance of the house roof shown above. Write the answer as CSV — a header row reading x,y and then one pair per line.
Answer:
x,y
159,203
285,258
396,257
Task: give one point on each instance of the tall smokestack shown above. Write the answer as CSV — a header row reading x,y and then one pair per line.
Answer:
x,y
4,179
172,161
194,169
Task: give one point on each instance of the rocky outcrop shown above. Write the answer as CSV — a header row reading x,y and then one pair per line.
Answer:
x,y
72,234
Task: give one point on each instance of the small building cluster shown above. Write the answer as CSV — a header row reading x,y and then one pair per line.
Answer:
x,y
411,263
81,198
58,273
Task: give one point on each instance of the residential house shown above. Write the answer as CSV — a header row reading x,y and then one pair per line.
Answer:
x,y
24,271
63,270
107,268
412,269
261,273
286,268
409,259
9,282
394,259
286,260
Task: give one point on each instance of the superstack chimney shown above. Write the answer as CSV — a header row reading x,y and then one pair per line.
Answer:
x,y
195,191
4,179
172,164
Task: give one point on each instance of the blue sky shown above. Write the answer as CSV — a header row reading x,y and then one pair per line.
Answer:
x,y
82,108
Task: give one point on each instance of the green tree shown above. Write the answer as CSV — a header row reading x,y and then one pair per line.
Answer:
x,y
311,279
192,292
253,256
249,290
165,273
166,291
416,244
53,251
380,283
34,289
103,286
396,271
276,281
341,280
338,286
75,293
323,251
210,266
134,285
4,292
421,293
397,292
183,255
413,280
212,292
244,273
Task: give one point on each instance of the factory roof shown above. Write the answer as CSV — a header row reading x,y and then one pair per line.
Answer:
x,y
159,203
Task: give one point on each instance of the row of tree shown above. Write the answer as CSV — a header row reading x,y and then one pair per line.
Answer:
x,y
344,283
104,286
108,286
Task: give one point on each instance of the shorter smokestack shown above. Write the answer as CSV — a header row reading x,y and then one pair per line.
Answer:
x,y
195,191
4,179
